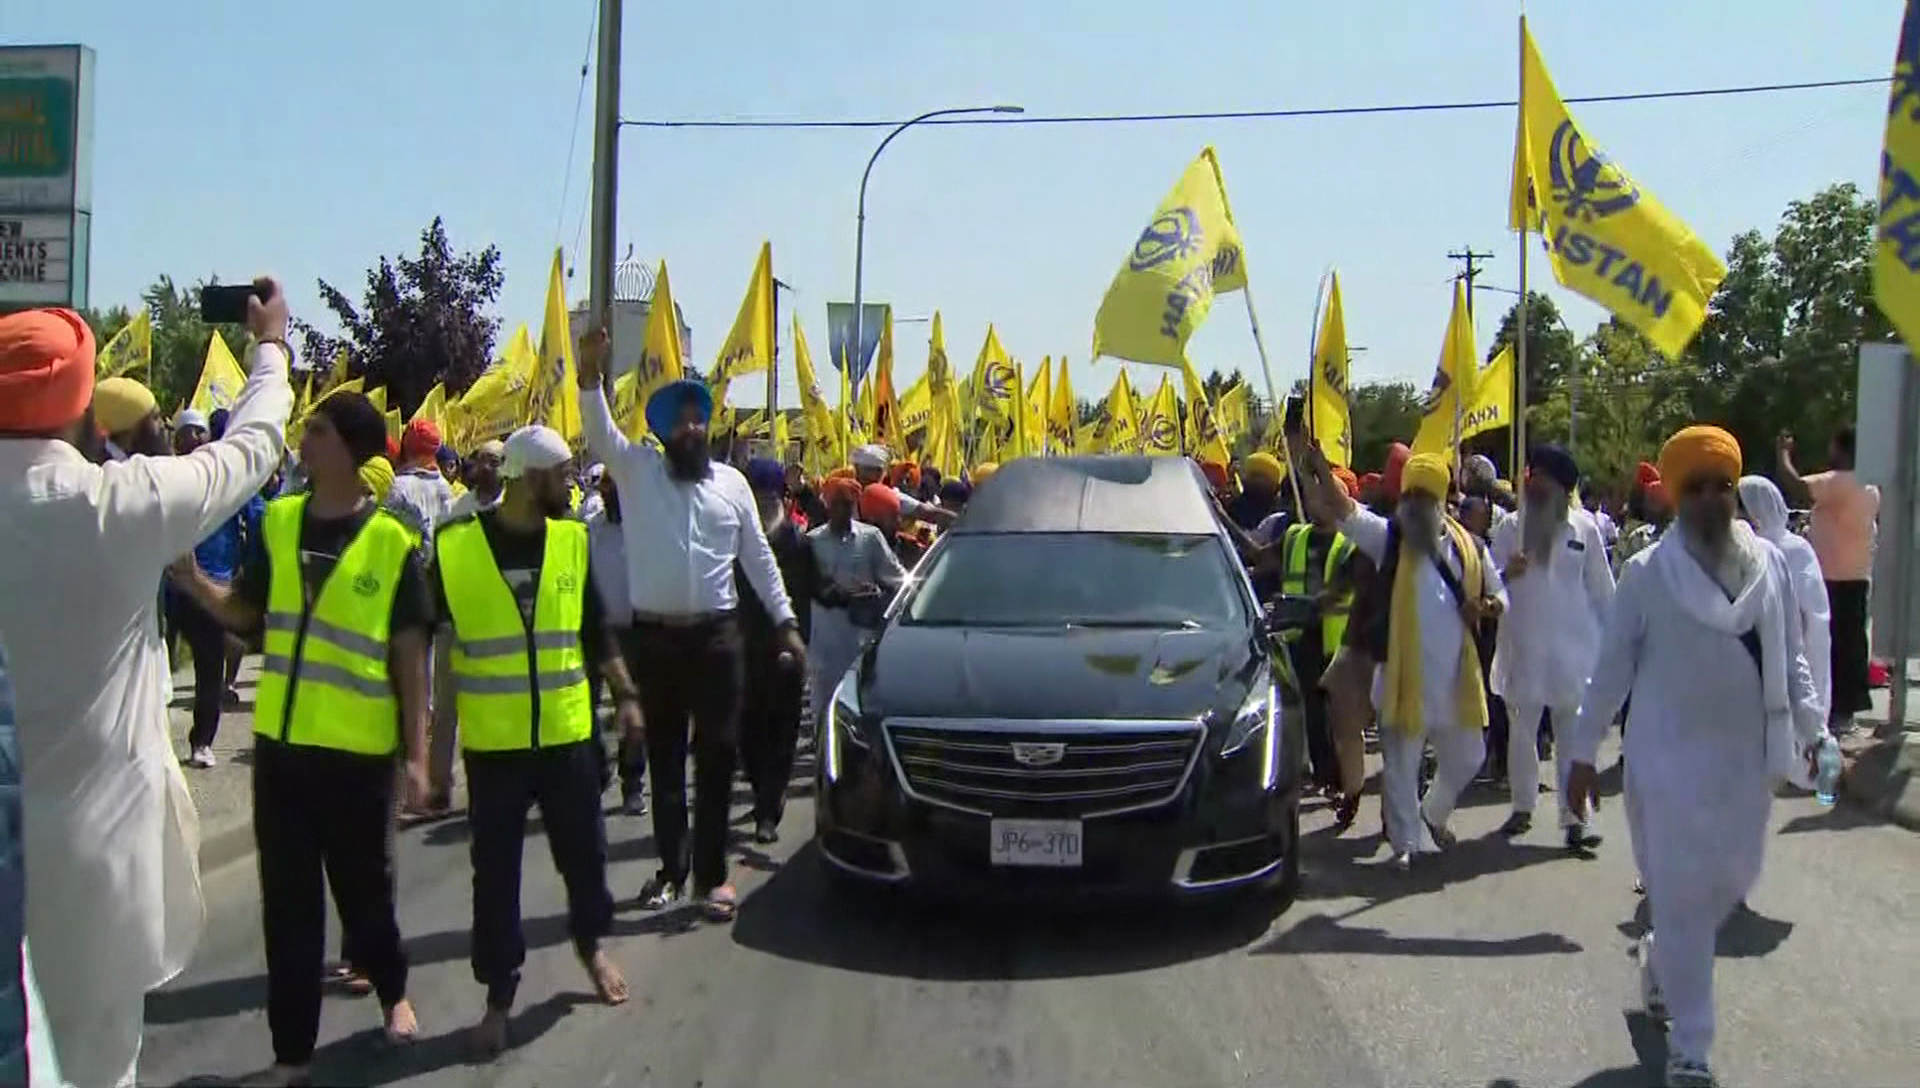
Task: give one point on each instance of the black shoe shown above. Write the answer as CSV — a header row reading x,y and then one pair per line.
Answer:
x,y
1517,824
1580,840
1442,838
659,893
766,831
634,804
1345,811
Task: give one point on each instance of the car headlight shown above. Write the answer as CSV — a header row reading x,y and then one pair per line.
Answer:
x,y
1258,724
842,722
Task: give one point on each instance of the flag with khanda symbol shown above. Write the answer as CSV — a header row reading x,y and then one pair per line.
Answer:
x,y
1188,253
1896,254
1605,237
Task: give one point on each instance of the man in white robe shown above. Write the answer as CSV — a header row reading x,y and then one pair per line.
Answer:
x,y
1559,584
113,903
1702,636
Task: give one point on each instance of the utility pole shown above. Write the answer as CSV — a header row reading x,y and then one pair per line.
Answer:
x,y
606,165
1472,272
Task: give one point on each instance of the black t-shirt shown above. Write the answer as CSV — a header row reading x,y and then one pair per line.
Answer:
x,y
519,555
322,541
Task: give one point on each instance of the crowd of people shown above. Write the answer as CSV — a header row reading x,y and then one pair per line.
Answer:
x,y
411,602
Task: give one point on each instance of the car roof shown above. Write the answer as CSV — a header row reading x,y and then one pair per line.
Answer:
x,y
1100,494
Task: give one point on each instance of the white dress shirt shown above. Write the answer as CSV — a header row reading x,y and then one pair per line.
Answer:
x,y
683,536
607,552
1550,633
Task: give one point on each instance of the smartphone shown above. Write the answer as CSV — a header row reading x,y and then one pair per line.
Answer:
x,y
1295,420
226,304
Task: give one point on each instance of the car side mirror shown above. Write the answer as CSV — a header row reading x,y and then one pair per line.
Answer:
x,y
1288,615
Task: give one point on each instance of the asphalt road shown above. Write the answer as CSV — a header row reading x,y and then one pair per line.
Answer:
x,y
1498,965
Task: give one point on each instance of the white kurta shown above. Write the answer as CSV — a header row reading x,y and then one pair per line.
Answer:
x,y
860,557
1766,508
113,899
1701,749
1550,633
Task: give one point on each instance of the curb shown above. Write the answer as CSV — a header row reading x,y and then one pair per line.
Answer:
x,y
1883,777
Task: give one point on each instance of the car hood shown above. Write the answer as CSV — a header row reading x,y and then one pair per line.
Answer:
x,y
1056,673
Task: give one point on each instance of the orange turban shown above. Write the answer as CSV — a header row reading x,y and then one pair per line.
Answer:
x,y
420,439
878,501
1699,449
1646,475
837,487
1216,474
904,474
981,471
1347,479
46,370
1397,457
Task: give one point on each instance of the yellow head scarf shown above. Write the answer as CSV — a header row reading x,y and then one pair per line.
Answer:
x,y
1262,465
983,470
376,475
1428,473
1697,449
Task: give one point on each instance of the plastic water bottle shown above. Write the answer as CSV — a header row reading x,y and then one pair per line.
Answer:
x,y
1827,782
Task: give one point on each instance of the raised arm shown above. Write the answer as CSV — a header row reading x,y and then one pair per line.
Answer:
x,y
171,504
604,440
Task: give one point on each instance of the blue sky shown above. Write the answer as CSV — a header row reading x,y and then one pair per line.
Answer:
x,y
307,139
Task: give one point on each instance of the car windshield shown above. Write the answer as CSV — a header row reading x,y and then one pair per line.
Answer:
x,y
1084,579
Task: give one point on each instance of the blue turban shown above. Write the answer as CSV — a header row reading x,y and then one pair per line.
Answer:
x,y
1555,463
766,474
446,456
671,399
217,423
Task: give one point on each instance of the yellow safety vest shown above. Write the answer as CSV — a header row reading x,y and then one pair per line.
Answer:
x,y
324,680
517,685
1293,580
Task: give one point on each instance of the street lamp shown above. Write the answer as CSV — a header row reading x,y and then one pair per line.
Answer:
x,y
860,228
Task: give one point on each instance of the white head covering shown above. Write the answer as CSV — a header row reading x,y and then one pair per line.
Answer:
x,y
871,456
493,447
593,474
191,417
533,448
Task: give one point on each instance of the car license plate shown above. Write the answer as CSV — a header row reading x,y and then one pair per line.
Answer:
x,y
1049,843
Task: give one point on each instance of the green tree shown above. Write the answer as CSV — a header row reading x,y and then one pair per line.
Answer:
x,y
1551,346
1381,414
422,320
180,338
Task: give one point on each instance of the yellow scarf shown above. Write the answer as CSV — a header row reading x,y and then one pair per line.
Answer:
x,y
1403,640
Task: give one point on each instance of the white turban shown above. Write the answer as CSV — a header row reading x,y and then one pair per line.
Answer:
x,y
533,448
873,456
190,417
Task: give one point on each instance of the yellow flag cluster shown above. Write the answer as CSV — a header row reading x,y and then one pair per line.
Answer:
x,y
1605,236
1453,379
1331,420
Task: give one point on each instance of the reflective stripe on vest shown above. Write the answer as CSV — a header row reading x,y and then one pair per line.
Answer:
x,y
324,680
517,685
1293,579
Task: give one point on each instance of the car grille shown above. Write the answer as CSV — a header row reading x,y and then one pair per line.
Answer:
x,y
1095,774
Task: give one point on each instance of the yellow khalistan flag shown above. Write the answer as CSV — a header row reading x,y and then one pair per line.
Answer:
x,y
1120,425
660,360
129,350
1039,401
1332,420
1188,253
1896,252
883,406
395,426
1492,405
1605,237
494,405
1160,423
1203,427
748,348
1453,381
993,384
220,378
1232,410
1063,415
915,410
433,407
943,424
553,398
823,449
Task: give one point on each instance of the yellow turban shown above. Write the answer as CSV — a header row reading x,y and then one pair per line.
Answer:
x,y
376,475
1263,466
1697,449
1426,472
983,470
120,403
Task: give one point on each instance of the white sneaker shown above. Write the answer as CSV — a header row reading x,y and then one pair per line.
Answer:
x,y
1651,998
1688,1073
201,757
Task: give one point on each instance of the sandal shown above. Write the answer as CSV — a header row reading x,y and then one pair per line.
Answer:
x,y
723,903
659,893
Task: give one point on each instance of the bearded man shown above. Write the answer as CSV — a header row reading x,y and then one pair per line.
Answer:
x,y
1703,635
1559,586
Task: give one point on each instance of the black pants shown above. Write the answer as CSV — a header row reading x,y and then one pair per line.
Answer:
x,y
501,788
321,815
691,678
207,641
769,724
1309,661
1851,691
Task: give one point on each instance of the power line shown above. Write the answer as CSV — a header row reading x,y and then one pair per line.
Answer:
x,y
579,100
1249,115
